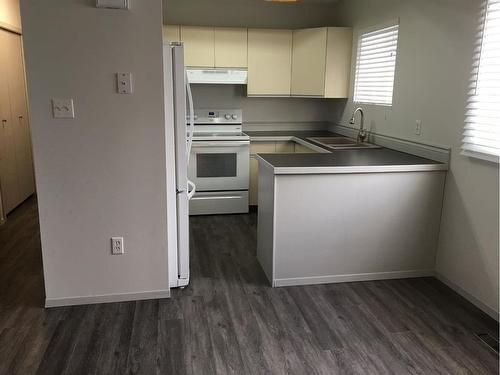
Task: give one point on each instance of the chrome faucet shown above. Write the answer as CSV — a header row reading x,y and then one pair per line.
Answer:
x,y
362,131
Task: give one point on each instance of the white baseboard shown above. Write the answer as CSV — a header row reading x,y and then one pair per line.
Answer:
x,y
106,298
351,277
469,297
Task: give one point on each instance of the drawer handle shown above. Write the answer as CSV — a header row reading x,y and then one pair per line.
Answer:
x,y
207,198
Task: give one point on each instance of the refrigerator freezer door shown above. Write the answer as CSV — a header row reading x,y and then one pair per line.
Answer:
x,y
168,85
179,81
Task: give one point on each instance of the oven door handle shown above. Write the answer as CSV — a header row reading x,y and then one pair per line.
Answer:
x,y
213,197
220,143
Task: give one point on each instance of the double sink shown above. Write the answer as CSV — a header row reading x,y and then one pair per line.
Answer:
x,y
341,143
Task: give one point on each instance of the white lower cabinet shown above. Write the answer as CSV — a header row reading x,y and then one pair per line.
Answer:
x,y
269,147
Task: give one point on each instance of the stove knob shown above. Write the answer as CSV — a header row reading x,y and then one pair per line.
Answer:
x,y
227,117
235,117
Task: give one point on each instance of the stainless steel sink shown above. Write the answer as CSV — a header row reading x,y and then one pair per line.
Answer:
x,y
341,143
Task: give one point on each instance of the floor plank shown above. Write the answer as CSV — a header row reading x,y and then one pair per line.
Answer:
x,y
229,321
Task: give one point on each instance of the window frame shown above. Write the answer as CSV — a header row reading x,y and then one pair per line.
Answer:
x,y
359,33
481,23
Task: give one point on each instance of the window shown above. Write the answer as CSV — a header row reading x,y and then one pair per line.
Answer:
x,y
375,65
482,119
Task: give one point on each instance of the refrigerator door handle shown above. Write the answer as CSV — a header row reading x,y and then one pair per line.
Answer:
x,y
192,191
190,136
191,116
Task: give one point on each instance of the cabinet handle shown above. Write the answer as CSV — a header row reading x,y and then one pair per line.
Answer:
x,y
3,123
20,117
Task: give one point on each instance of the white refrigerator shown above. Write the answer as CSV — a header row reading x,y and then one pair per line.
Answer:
x,y
179,127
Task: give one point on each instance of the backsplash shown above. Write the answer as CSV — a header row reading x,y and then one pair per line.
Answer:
x,y
269,113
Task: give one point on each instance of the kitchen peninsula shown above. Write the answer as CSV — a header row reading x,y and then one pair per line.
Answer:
x,y
348,215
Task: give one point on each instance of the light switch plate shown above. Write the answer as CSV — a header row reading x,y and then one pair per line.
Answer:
x,y
418,127
124,83
63,108
113,4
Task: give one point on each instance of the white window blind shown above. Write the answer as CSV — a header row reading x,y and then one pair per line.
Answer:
x,y
482,119
375,66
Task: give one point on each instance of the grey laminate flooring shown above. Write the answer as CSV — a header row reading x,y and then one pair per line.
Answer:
x,y
228,321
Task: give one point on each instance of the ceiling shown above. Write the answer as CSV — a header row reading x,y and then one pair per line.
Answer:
x,y
250,13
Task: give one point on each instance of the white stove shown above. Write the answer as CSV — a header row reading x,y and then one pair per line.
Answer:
x,y
220,163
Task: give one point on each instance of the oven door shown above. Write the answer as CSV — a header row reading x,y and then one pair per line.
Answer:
x,y
220,165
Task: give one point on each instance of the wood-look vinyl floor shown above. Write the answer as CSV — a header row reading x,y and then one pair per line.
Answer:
x,y
229,321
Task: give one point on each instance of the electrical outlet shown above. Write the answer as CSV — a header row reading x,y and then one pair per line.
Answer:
x,y
117,246
418,127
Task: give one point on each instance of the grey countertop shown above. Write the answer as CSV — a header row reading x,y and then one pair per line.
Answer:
x,y
339,161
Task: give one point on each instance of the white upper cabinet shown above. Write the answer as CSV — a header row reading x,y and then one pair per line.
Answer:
x,y
231,47
309,61
269,62
338,62
211,47
171,33
321,62
199,44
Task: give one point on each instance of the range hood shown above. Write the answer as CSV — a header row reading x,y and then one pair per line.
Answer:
x,y
217,76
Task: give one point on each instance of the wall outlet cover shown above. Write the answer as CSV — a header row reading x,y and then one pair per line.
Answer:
x,y
63,108
117,246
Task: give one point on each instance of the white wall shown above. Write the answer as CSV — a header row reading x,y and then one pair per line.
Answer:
x,y
433,64
275,113
101,174
10,17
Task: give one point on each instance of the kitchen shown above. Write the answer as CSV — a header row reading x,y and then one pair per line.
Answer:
x,y
304,187
235,164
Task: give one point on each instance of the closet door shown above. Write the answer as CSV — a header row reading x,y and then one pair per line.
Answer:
x,y
8,168
19,118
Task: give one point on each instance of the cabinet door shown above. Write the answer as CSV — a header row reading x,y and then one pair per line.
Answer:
x,y
171,33
254,182
262,147
198,46
20,118
309,61
8,169
269,62
338,62
285,147
301,149
230,47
